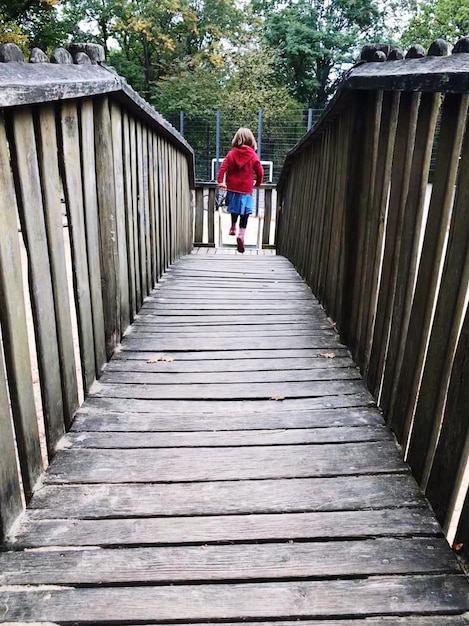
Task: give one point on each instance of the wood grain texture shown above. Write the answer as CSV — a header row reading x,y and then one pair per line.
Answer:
x,y
410,522
383,595
229,463
14,328
239,562
239,505
225,497
31,213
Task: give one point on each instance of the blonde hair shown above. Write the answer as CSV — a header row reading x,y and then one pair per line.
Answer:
x,y
244,137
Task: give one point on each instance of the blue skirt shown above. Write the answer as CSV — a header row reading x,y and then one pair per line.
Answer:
x,y
239,203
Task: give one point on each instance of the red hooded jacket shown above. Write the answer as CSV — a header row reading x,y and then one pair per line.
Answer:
x,y
242,168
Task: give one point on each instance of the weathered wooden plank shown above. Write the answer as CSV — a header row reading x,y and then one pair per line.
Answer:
x,y
453,120
73,190
321,354
143,330
340,493
228,463
90,199
246,418
409,242
107,223
225,365
14,328
128,209
151,325
145,198
218,391
229,378
378,213
399,188
52,194
231,407
378,595
450,459
408,620
135,211
255,437
30,207
120,213
170,344
444,333
214,563
11,504
227,528
153,222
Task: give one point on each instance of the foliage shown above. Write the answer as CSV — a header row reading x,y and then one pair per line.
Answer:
x,y
433,19
314,40
30,23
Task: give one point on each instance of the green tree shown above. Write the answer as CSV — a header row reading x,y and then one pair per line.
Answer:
x,y
444,19
314,40
30,23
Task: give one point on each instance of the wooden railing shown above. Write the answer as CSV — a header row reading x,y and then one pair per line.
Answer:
x,y
206,232
75,137
385,248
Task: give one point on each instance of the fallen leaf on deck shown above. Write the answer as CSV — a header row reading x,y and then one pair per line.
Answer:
x,y
327,355
277,398
161,357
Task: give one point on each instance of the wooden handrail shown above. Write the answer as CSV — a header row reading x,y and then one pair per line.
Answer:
x,y
78,139
385,249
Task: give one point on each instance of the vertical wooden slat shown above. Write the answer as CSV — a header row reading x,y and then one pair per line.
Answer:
x,y
400,179
128,208
107,223
409,242
367,225
90,200
405,391
141,210
52,193
211,217
337,273
329,185
199,215
146,208
267,217
167,206
377,218
462,532
26,168
135,213
72,181
452,454
354,223
14,328
161,205
151,207
443,339
118,160
11,504
156,178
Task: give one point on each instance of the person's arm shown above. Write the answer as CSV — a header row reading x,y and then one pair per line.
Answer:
x,y
221,173
259,171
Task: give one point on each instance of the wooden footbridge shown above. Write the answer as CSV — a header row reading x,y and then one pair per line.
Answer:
x,y
238,454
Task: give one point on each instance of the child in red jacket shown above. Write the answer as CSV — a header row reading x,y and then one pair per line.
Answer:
x,y
238,173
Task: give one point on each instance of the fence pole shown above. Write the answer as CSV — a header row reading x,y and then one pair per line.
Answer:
x,y
181,122
310,118
259,152
217,145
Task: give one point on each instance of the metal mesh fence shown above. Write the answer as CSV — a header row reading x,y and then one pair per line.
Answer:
x,y
275,136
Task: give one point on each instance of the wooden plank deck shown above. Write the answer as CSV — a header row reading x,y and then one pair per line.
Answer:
x,y
230,466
